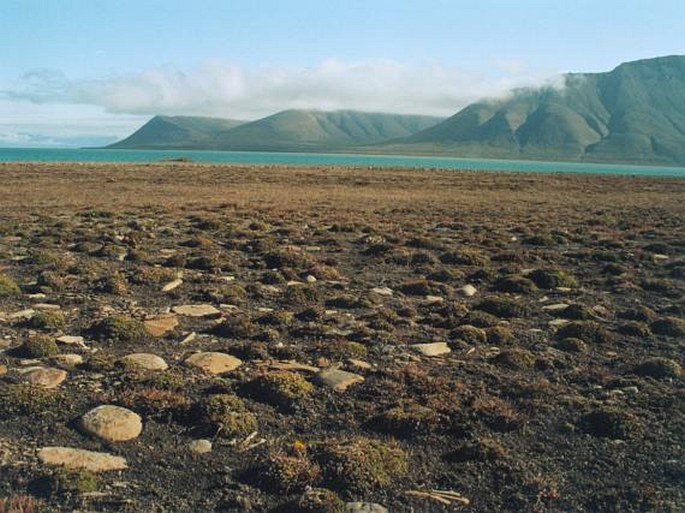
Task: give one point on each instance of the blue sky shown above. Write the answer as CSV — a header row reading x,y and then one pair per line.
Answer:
x,y
76,69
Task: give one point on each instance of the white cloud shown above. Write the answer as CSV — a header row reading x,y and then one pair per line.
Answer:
x,y
221,89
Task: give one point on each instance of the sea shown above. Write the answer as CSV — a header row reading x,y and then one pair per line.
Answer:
x,y
329,159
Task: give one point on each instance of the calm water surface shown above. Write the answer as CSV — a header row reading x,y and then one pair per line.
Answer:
x,y
328,159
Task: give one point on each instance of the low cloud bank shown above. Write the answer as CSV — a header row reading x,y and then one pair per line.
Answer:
x,y
223,89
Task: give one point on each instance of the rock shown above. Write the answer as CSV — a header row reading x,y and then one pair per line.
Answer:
x,y
213,363
200,446
71,340
364,507
555,307
172,285
196,310
146,361
338,379
160,326
112,423
468,290
46,306
67,360
3,369
359,364
22,314
434,300
433,349
45,377
81,459
382,291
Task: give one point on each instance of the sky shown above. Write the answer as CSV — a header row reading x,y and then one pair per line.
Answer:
x,y
88,72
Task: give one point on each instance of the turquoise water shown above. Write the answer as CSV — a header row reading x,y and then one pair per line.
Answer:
x,y
328,159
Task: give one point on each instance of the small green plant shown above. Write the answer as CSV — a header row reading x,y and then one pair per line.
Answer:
x,y
39,346
660,368
18,503
669,327
281,388
320,500
76,481
21,399
238,326
360,465
47,321
119,328
480,449
515,358
516,285
503,307
8,287
550,279
228,415
407,420
469,334
607,422
286,471
590,332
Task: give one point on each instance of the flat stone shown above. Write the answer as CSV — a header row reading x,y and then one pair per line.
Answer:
x,y
45,377
359,364
196,310
556,323
432,349
160,326
468,291
112,423
434,300
46,306
364,507
3,369
22,314
67,360
81,459
201,446
213,363
382,291
172,285
338,379
72,340
557,307
146,361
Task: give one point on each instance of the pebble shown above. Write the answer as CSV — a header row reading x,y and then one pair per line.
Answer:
x,y
46,306
172,285
196,310
434,300
146,361
432,349
468,290
213,363
160,326
382,291
555,307
72,340
557,323
112,423
67,360
81,459
45,377
338,379
201,446
3,369
364,507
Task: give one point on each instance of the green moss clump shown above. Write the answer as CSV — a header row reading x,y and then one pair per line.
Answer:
x,y
588,331
153,275
21,399
479,319
276,318
500,335
8,286
660,368
341,349
48,321
72,481
464,257
360,465
40,346
119,328
289,256
114,284
516,285
281,472
577,312
550,279
517,359
301,295
239,326
635,329
669,327
469,334
228,414
407,420
320,500
572,345
281,388
503,307
419,288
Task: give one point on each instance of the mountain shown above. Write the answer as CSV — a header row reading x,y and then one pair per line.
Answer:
x,y
290,130
634,113
171,132
302,130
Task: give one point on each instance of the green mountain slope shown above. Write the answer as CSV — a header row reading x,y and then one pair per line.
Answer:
x,y
317,130
635,113
185,132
